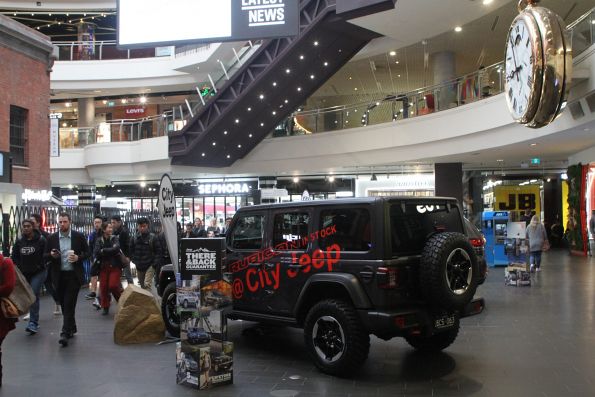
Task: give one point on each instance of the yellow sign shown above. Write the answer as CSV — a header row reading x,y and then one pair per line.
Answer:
x,y
517,198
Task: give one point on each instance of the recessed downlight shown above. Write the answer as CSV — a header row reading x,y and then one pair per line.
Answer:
x,y
458,29
392,53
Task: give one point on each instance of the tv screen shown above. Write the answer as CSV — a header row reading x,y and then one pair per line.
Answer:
x,y
159,22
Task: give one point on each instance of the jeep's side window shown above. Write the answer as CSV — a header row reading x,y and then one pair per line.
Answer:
x,y
290,227
247,233
349,228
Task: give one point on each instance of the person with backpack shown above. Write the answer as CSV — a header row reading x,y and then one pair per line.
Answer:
x,y
37,221
107,253
145,253
7,282
27,254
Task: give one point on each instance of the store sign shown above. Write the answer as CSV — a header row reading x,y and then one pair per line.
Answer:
x,y
143,22
517,198
273,193
54,137
223,188
56,115
135,111
36,195
166,205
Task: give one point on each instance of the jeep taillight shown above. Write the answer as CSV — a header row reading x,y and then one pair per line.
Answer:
x,y
477,242
387,277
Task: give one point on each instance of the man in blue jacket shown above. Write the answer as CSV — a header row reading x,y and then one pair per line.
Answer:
x,y
27,254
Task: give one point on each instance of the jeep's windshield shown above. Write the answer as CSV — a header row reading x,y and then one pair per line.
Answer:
x,y
413,222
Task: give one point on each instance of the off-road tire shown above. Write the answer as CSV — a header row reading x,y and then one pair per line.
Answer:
x,y
356,340
170,318
436,342
434,281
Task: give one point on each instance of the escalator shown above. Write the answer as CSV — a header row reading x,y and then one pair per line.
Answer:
x,y
275,80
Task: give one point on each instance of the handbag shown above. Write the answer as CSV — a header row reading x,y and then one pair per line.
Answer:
x,y
546,245
125,260
22,296
9,309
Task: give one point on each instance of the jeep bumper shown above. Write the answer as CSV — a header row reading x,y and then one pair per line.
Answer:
x,y
413,321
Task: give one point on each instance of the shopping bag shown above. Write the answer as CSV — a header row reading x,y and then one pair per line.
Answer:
x,y
9,309
546,246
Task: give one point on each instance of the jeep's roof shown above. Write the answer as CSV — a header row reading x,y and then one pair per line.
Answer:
x,y
342,201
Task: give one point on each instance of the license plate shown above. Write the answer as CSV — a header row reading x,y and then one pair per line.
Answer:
x,y
446,321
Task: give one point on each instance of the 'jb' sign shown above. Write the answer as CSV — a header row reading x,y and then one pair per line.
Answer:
x,y
517,198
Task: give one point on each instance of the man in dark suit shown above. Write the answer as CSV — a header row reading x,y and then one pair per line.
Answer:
x,y
66,250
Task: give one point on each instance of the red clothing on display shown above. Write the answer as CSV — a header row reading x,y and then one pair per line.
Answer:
x,y
7,282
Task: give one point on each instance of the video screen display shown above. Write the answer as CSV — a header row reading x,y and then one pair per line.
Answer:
x,y
159,23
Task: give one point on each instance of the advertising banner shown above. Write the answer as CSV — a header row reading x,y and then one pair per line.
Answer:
x,y
517,199
202,257
54,137
166,205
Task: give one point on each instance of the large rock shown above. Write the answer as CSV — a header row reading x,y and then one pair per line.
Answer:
x,y
138,319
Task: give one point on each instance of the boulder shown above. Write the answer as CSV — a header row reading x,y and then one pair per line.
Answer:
x,y
138,319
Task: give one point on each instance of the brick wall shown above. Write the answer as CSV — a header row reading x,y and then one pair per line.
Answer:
x,y
24,82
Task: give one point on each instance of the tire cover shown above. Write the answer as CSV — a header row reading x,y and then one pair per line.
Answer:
x,y
446,261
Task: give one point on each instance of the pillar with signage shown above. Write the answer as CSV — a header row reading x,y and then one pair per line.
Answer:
x,y
204,355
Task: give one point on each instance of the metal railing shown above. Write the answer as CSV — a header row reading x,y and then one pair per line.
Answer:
x,y
108,50
127,130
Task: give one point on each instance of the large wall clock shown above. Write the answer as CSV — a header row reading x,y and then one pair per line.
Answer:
x,y
538,65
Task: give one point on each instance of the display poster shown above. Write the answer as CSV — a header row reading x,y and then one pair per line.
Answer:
x,y
54,137
204,356
166,205
517,199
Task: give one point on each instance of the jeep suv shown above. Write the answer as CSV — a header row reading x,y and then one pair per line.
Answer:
x,y
345,269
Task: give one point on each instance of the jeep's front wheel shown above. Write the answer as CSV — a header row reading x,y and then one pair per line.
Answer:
x,y
168,310
436,342
336,338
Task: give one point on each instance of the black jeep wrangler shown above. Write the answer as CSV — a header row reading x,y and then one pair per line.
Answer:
x,y
345,269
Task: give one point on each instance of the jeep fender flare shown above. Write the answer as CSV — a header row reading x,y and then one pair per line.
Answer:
x,y
347,281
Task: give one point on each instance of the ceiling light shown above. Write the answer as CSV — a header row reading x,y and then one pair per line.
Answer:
x,y
486,2
296,179
64,124
398,75
564,176
315,43
214,143
549,179
301,57
143,184
261,96
458,29
228,156
249,135
104,101
392,53
143,99
274,113
331,178
500,160
224,132
203,154
533,144
249,109
325,64
237,121
124,100
355,89
274,83
312,76
397,62
68,104
287,71
350,78
119,190
239,146
286,101
299,89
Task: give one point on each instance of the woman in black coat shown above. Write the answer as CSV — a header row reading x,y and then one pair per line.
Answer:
x,y
107,256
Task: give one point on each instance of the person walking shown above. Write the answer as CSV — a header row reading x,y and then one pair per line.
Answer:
x,y
199,229
145,252
189,232
7,282
67,249
93,237
27,255
213,228
49,286
537,237
107,252
124,238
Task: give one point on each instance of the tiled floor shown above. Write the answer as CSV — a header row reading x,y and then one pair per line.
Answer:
x,y
531,341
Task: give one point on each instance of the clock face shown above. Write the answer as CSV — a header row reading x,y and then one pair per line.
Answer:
x,y
519,69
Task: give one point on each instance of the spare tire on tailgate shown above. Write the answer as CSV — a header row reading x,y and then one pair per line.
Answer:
x,y
448,271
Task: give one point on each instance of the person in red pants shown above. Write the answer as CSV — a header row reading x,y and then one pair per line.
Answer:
x,y
107,252
7,282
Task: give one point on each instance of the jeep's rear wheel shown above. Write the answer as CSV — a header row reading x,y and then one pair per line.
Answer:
x,y
436,342
168,310
448,271
336,338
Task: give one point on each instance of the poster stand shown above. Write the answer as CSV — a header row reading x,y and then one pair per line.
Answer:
x,y
204,356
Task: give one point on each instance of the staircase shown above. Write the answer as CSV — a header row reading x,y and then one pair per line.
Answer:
x,y
275,80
